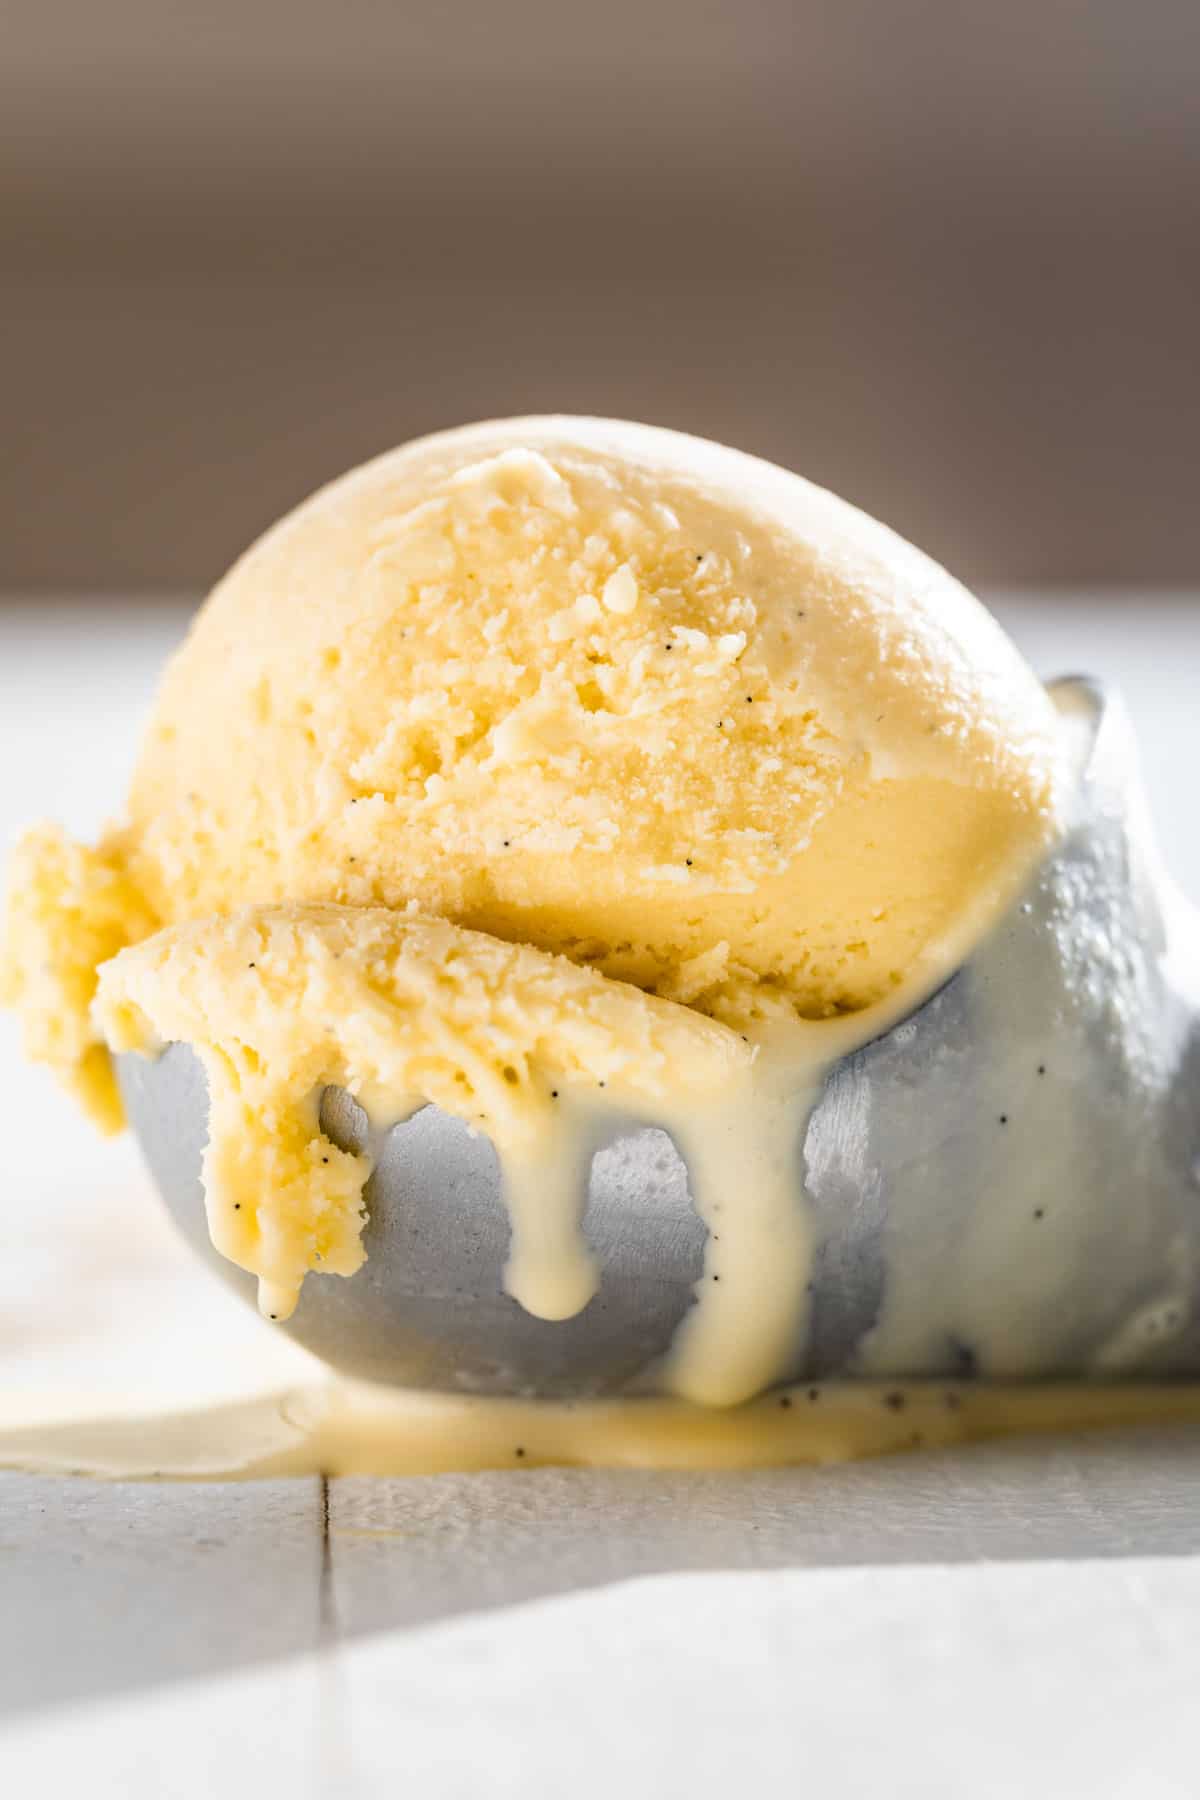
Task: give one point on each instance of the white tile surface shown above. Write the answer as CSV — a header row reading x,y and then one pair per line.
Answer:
x,y
1074,1682
1016,1619
124,1586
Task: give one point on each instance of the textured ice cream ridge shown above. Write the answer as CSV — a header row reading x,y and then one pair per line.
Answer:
x,y
281,1003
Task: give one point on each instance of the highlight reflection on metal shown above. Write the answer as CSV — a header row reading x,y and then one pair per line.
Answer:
x,y
1013,1103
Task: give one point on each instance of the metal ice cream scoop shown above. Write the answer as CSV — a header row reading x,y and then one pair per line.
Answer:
x,y
1007,1183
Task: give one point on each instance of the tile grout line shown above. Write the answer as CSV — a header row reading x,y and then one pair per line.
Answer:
x,y
325,1607
333,1748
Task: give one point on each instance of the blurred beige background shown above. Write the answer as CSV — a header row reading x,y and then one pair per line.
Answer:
x,y
944,257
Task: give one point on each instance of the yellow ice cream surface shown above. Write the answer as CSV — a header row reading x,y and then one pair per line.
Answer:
x,y
69,908
606,690
282,1002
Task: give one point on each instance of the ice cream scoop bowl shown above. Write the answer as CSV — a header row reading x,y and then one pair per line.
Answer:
x,y
1004,1184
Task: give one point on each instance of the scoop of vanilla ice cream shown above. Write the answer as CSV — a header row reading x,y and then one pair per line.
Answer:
x,y
483,739
591,687
609,691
